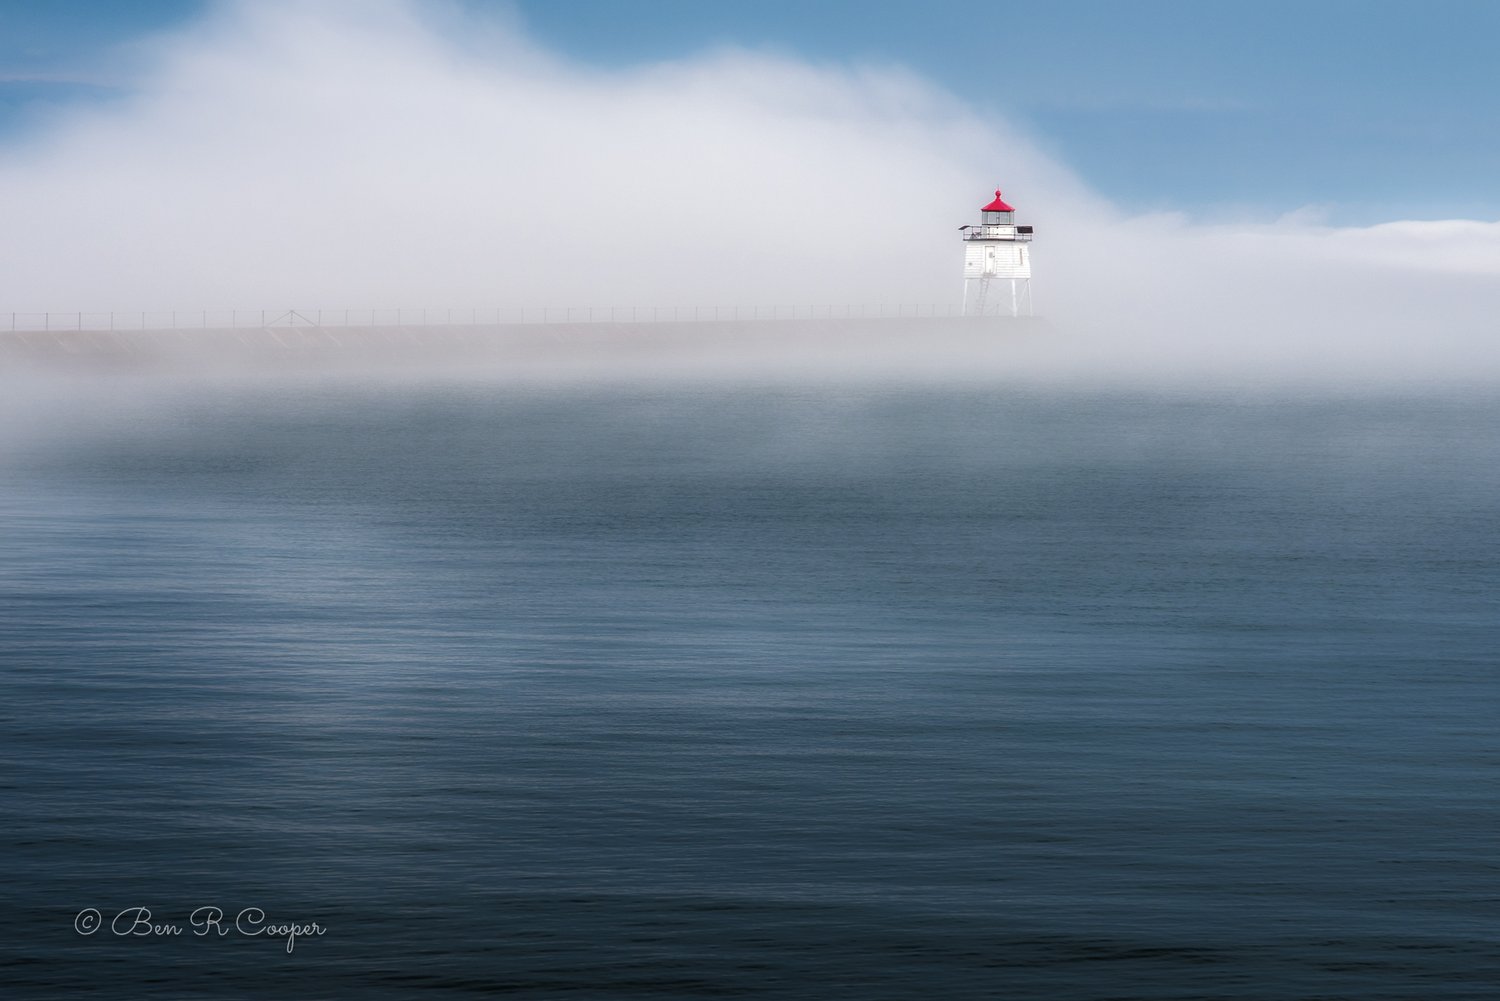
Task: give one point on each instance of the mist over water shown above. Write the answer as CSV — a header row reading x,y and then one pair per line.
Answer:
x,y
1143,651
811,689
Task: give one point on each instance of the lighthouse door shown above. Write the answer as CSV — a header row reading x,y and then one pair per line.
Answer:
x,y
989,260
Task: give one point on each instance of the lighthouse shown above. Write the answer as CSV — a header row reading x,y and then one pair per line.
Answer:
x,y
996,249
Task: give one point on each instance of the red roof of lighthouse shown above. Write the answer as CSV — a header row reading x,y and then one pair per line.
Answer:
x,y
997,205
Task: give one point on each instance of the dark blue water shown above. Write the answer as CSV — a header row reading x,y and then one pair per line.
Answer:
x,y
810,692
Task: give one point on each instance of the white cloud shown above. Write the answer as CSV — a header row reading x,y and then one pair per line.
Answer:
x,y
334,154
380,154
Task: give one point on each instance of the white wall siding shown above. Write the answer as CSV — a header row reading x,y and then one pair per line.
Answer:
x,y
996,260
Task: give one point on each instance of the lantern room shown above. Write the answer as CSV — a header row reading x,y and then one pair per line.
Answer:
x,y
997,213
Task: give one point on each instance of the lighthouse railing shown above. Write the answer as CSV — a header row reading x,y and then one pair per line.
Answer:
x,y
1018,234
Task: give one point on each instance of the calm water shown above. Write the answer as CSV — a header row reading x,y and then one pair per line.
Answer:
x,y
787,693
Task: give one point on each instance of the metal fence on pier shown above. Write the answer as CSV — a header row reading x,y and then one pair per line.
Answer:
x,y
254,319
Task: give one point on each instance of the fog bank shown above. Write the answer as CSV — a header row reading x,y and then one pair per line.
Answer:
x,y
388,154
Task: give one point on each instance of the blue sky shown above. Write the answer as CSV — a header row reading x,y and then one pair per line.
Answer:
x,y
1371,109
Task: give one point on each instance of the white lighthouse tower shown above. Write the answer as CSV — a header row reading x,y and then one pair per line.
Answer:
x,y
996,249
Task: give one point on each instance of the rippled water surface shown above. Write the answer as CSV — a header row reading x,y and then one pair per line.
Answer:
x,y
799,692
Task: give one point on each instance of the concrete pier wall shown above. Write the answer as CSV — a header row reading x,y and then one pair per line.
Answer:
x,y
589,344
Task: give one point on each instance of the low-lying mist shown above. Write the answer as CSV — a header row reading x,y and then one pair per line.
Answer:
x,y
390,154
